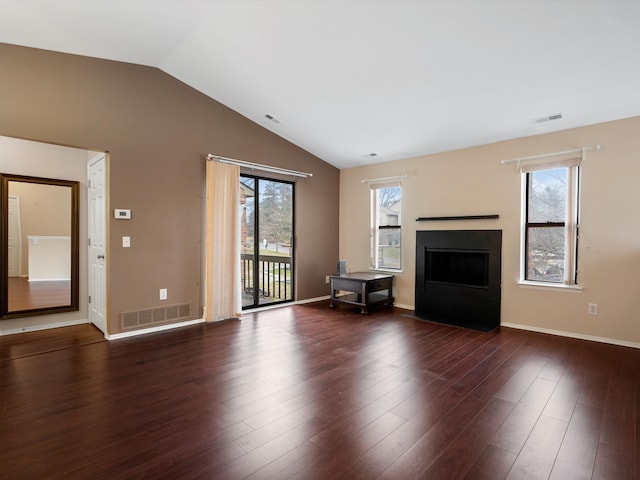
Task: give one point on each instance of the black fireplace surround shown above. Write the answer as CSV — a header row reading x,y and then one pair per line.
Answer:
x,y
458,277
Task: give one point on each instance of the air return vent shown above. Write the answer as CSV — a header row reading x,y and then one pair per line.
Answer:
x,y
548,118
268,116
154,316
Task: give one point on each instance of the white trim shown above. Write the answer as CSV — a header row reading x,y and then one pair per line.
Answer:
x,y
48,326
18,225
523,225
571,222
286,304
406,307
549,165
549,286
268,307
397,178
161,328
30,280
48,237
554,154
374,222
328,297
571,225
312,300
579,336
258,166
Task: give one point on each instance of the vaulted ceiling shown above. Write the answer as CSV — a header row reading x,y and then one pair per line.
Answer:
x,y
357,82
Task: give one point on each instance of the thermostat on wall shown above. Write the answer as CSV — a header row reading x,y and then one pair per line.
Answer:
x,y
122,213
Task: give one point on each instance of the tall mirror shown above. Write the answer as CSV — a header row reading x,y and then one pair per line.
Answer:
x,y
39,261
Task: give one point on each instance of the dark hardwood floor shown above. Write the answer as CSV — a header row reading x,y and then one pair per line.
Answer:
x,y
306,392
26,295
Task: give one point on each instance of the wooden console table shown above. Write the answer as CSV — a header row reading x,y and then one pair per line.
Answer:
x,y
366,290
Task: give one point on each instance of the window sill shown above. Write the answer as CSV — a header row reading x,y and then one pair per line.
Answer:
x,y
550,286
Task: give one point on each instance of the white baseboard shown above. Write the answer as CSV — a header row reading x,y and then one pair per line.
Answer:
x,y
48,326
160,328
116,336
311,300
406,307
579,336
328,297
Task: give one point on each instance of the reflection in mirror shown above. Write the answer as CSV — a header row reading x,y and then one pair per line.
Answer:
x,y
40,246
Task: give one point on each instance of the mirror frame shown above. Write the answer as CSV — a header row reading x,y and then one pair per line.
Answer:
x,y
4,247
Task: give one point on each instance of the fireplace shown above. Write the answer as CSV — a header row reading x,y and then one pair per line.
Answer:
x,y
458,277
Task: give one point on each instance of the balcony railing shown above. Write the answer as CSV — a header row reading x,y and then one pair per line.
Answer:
x,y
274,278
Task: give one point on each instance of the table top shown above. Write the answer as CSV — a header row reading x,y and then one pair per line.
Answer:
x,y
365,276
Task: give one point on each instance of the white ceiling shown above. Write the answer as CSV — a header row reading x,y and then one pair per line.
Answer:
x,y
349,78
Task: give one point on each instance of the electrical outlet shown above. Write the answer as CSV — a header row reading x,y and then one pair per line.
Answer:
x,y
163,294
592,308
326,279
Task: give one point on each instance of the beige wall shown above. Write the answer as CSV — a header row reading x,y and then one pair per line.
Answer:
x,y
158,131
474,182
44,210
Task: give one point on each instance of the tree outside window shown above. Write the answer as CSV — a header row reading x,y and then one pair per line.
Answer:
x,y
276,214
550,225
386,202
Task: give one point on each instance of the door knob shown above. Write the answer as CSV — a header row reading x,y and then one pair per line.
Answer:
x,y
101,257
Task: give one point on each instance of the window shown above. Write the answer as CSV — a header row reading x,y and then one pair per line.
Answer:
x,y
386,202
550,226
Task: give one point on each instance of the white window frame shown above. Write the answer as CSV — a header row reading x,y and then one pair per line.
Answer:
x,y
375,224
571,223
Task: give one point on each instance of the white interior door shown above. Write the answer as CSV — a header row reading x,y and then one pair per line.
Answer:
x,y
97,229
14,238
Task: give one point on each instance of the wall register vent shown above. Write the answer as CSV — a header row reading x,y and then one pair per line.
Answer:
x,y
154,316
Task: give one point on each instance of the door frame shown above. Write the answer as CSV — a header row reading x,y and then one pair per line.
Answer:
x,y
18,251
257,241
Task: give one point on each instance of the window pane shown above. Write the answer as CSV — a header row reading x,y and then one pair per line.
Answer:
x,y
389,206
247,204
545,254
547,195
275,234
389,248
386,205
266,233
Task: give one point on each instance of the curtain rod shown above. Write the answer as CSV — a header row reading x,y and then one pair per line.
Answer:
x,y
544,155
384,179
258,166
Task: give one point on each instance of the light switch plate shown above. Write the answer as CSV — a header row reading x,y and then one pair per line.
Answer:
x,y
126,242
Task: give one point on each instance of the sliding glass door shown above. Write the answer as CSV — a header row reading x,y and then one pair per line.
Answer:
x,y
267,241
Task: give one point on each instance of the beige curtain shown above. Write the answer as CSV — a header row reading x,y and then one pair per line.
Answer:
x,y
223,295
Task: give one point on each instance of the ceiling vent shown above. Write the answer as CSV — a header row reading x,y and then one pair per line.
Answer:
x,y
268,116
548,118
